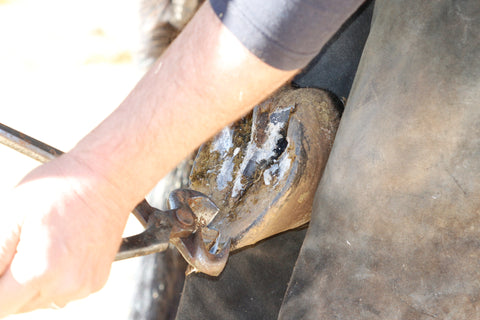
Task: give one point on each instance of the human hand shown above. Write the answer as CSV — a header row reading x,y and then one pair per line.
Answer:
x,y
59,233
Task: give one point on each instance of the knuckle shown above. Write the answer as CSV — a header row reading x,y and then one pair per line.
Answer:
x,y
69,273
98,283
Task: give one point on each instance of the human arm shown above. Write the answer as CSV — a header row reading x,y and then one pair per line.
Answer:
x,y
59,244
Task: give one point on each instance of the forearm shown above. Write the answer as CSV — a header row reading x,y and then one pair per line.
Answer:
x,y
205,80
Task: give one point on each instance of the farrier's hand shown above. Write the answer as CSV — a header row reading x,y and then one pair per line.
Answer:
x,y
58,237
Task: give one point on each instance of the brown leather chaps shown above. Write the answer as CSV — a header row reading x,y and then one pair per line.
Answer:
x,y
395,230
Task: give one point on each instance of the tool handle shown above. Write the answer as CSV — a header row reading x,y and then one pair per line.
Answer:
x,y
153,239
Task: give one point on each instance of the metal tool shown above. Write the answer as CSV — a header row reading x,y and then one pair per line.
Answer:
x,y
184,225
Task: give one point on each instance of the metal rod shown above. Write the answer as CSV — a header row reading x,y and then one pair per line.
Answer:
x,y
27,145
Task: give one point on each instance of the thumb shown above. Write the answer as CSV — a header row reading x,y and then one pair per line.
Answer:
x,y
9,237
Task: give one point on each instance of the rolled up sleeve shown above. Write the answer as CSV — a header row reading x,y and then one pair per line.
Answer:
x,y
285,34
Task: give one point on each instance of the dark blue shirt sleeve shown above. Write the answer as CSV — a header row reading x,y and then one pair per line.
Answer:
x,y
285,34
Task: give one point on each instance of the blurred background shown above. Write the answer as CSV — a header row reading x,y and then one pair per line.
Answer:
x,y
64,66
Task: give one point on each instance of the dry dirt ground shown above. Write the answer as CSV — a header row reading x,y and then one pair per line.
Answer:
x,y
64,66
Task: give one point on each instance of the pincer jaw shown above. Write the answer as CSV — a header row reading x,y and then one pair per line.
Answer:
x,y
185,226
200,258
199,248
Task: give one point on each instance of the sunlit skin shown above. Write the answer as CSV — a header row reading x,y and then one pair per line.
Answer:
x,y
60,244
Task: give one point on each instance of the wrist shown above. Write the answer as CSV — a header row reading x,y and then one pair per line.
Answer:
x,y
76,179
